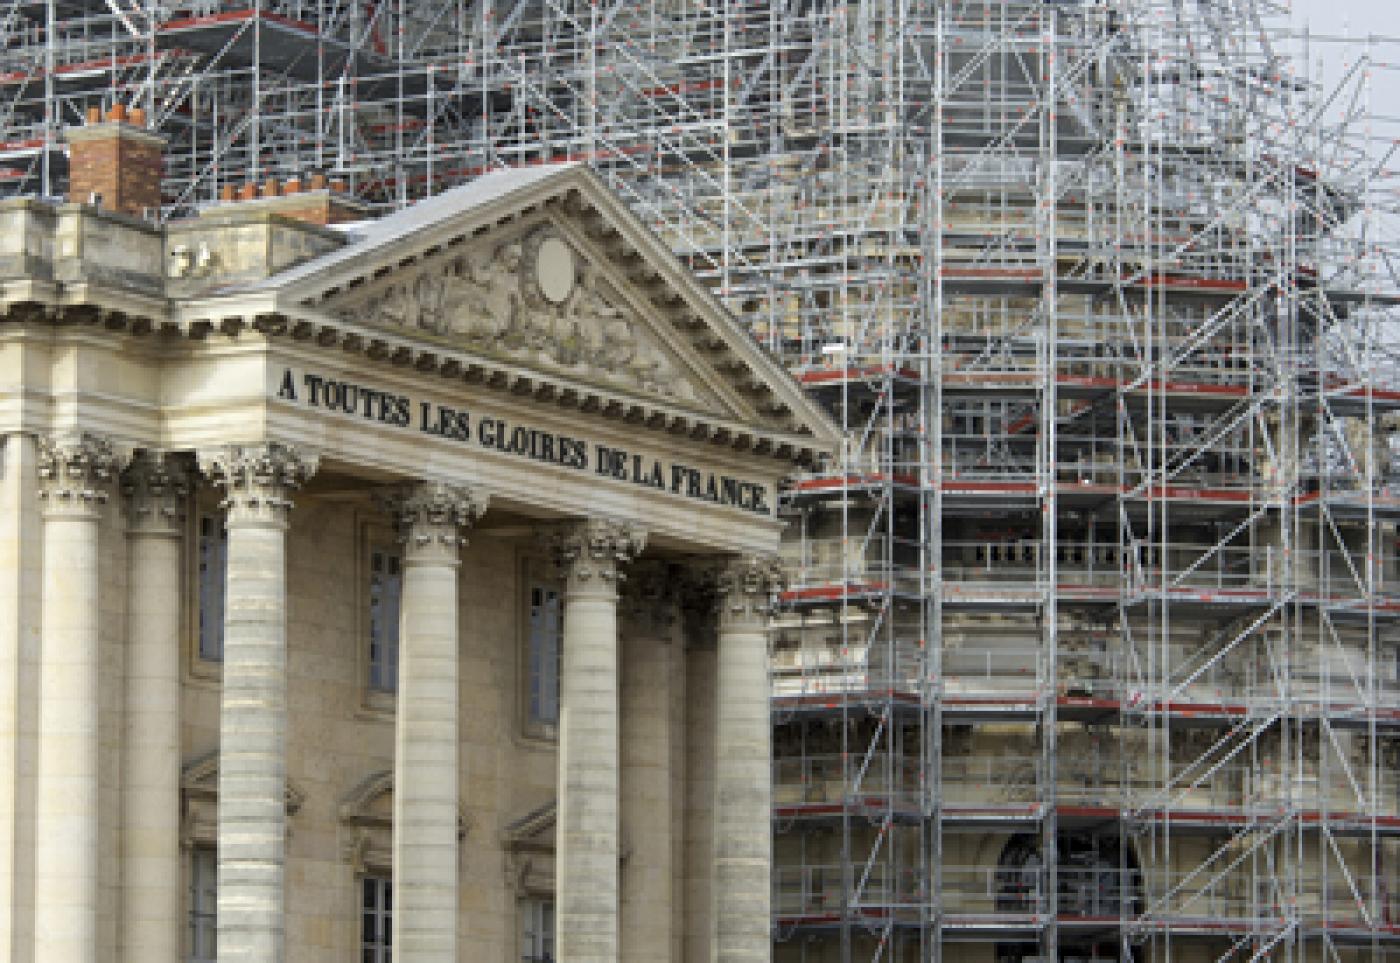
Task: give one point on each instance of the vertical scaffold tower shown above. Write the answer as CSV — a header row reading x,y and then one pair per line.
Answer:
x,y
1092,644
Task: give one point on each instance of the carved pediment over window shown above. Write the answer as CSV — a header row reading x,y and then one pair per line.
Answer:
x,y
367,822
528,844
199,801
531,301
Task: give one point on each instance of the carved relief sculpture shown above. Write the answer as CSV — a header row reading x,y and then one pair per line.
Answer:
x,y
532,302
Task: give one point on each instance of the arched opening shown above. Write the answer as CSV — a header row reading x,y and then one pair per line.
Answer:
x,y
1097,882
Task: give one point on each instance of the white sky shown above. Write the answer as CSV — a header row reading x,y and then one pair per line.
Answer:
x,y
1347,29
1354,17
1370,28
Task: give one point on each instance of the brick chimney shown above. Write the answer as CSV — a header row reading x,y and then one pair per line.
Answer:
x,y
115,162
329,206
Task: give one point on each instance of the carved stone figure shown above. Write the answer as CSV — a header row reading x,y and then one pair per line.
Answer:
x,y
651,368
608,335
416,303
473,307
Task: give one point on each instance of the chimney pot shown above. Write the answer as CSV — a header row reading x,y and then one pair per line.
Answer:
x,y
293,186
249,192
270,187
118,112
138,117
94,115
318,182
337,186
228,193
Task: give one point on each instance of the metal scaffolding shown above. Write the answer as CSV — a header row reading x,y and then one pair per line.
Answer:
x,y
1092,648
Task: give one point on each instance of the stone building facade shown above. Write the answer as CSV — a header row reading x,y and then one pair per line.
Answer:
x,y
402,584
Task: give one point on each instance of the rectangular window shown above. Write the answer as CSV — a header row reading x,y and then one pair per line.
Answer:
x,y
536,931
213,574
376,919
203,905
385,601
546,636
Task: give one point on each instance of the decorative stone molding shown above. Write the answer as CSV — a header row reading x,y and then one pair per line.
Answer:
x,y
156,486
367,820
258,480
199,801
551,268
76,473
745,588
594,548
431,516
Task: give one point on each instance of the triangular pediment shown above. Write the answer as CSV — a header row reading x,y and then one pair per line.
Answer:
x,y
545,270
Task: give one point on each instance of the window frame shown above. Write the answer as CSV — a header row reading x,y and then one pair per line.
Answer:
x,y
388,662
373,534
206,857
204,503
382,948
530,950
536,572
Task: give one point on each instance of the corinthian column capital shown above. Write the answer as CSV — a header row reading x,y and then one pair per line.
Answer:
x,y
258,480
430,517
746,586
76,473
156,486
593,550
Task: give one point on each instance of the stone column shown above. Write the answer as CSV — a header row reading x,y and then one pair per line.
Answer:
x,y
157,490
75,477
591,553
258,480
430,518
743,843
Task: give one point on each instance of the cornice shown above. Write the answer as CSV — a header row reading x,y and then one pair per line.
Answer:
x,y
82,305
